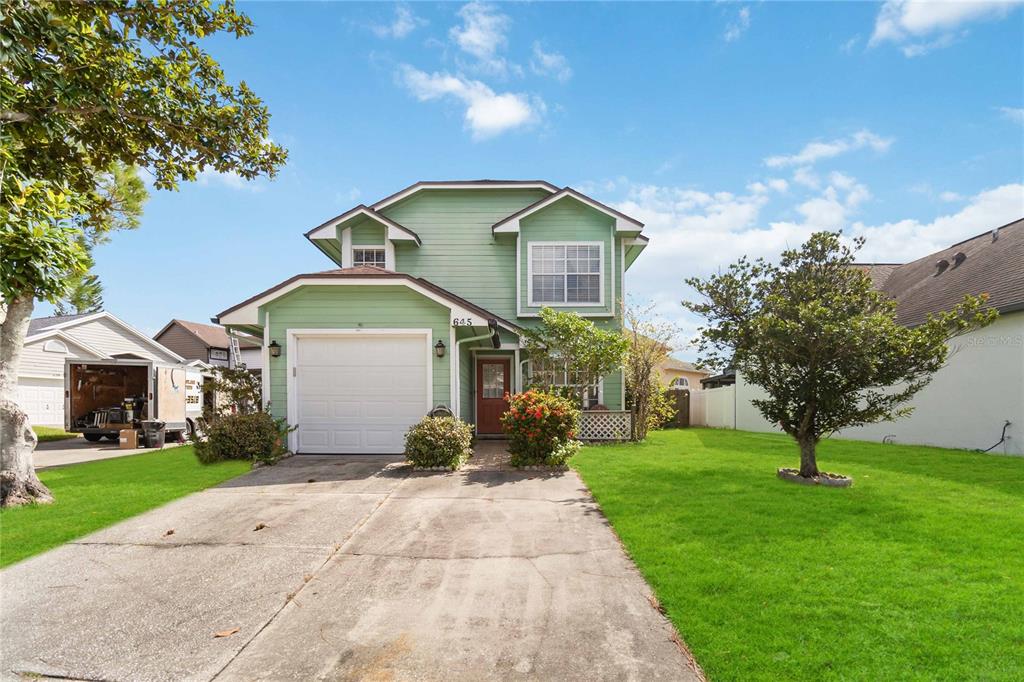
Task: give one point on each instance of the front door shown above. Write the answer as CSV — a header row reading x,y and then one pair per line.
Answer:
x,y
492,385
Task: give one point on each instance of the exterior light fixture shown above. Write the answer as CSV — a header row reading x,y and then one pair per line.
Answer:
x,y
439,348
275,349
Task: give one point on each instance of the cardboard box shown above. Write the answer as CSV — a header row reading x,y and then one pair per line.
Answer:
x,y
129,439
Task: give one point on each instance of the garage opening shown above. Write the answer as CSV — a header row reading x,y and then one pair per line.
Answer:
x,y
102,399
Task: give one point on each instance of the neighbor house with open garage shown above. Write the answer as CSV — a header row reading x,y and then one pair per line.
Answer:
x,y
426,309
57,345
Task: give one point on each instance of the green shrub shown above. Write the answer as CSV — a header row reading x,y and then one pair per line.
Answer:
x,y
439,442
540,428
257,437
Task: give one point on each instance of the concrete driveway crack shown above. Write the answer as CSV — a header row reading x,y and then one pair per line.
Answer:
x,y
294,595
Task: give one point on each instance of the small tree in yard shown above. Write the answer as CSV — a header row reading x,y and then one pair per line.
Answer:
x,y
649,346
821,341
236,390
567,342
88,89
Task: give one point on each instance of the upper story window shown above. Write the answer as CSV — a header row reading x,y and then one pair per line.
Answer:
x,y
375,257
566,274
55,346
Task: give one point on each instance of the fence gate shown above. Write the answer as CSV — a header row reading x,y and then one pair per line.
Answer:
x,y
680,398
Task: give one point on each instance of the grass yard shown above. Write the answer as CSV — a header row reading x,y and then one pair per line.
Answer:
x,y
916,572
94,495
47,433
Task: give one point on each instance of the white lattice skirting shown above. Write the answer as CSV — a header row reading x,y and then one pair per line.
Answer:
x,y
606,425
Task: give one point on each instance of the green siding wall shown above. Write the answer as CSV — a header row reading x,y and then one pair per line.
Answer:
x,y
348,307
368,232
459,252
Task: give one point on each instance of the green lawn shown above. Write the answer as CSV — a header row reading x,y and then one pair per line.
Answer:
x,y
94,495
46,433
916,572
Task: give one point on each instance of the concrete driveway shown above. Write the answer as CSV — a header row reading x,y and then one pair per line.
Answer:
x,y
360,569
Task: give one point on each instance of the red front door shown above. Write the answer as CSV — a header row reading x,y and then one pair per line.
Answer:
x,y
492,385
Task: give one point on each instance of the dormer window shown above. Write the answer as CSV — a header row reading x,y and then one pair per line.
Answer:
x,y
372,256
567,274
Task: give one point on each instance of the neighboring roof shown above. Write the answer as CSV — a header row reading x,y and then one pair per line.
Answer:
x,y
463,184
682,366
992,263
45,325
40,323
370,272
727,377
363,209
511,223
878,272
211,335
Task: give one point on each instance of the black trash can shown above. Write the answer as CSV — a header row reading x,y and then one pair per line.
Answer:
x,y
153,433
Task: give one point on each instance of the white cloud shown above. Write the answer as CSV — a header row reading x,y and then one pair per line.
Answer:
x,y
950,196
695,232
404,23
348,196
778,184
908,240
230,179
1015,114
738,26
806,177
903,22
482,34
487,113
848,46
816,151
551,64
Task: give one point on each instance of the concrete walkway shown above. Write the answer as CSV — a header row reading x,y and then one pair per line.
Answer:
x,y
346,568
75,450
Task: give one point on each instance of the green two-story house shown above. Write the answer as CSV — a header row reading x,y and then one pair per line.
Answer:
x,y
434,286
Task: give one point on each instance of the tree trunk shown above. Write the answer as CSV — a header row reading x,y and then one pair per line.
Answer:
x,y
18,481
808,459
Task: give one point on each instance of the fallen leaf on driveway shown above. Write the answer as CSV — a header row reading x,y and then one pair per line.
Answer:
x,y
259,526
170,532
226,633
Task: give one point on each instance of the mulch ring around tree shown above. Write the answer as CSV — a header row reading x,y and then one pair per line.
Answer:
x,y
823,478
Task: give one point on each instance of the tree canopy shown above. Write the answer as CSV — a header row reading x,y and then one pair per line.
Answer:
x,y
822,342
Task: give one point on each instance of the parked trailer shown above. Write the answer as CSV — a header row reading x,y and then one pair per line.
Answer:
x,y
103,397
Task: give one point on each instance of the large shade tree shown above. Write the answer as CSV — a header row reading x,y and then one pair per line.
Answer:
x,y
84,87
824,345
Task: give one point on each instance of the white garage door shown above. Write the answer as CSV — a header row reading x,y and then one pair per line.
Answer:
x,y
43,400
359,394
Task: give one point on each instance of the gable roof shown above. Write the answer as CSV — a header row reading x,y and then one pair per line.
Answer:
x,y
211,335
682,366
992,263
462,184
370,274
47,324
623,223
38,324
395,231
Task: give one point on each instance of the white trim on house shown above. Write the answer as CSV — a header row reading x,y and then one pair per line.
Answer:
x,y
248,314
265,361
346,247
291,380
565,304
409,191
103,314
394,230
623,223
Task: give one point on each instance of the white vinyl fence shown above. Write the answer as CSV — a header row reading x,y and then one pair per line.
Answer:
x,y
714,407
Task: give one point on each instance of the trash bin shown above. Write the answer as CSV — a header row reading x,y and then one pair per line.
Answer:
x,y
153,433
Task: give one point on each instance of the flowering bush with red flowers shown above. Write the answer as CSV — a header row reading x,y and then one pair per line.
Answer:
x,y
538,426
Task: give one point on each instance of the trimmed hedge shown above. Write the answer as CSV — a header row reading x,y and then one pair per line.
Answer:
x,y
257,437
439,442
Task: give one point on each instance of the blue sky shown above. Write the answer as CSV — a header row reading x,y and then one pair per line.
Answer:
x,y
728,128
